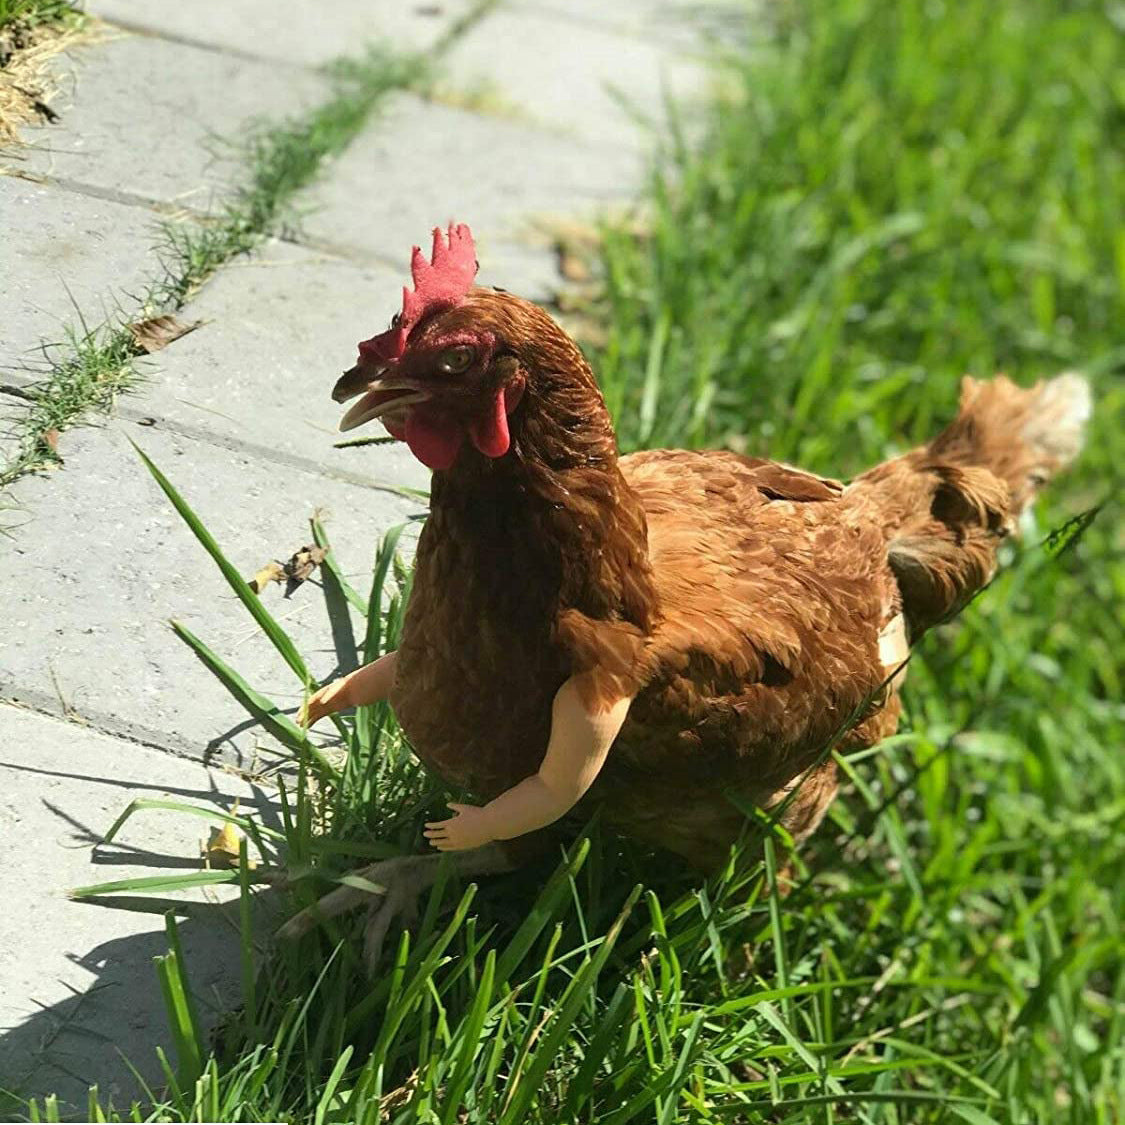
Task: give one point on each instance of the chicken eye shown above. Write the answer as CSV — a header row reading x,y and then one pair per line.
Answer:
x,y
455,360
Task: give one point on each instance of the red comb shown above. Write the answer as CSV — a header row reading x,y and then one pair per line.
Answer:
x,y
439,283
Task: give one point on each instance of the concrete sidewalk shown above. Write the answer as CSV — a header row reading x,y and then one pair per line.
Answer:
x,y
101,701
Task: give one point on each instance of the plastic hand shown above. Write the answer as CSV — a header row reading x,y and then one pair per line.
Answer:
x,y
368,684
468,829
329,699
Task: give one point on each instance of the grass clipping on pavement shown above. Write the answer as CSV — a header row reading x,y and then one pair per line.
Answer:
x,y
883,197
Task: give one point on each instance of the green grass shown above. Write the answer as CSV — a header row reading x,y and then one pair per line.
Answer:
x,y
99,362
31,13
885,196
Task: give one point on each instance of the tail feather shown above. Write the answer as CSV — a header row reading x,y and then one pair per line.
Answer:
x,y
1023,436
947,506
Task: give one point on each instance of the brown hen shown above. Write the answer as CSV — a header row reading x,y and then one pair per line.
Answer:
x,y
751,611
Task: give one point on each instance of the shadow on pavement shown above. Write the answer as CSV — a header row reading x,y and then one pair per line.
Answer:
x,y
81,1002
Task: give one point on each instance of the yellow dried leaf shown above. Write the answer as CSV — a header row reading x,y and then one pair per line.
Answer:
x,y
223,847
573,266
271,572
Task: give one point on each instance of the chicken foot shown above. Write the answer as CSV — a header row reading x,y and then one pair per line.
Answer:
x,y
401,881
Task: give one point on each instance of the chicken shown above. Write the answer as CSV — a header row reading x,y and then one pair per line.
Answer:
x,y
665,635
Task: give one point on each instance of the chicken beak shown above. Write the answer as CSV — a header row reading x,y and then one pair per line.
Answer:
x,y
379,396
355,381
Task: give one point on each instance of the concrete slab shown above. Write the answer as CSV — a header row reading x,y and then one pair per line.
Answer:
x,y
277,331
77,983
420,165
101,561
153,120
563,73
61,255
300,34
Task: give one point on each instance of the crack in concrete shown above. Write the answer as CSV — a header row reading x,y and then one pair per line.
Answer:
x,y
277,457
109,195
216,755
186,210
542,8
41,703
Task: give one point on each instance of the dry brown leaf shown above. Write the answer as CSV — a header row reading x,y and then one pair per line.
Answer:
x,y
50,438
301,566
588,330
159,331
575,233
401,1094
271,572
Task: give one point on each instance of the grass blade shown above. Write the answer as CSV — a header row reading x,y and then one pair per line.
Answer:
x,y
545,911
181,1014
250,827
264,710
265,620
332,564
577,994
156,883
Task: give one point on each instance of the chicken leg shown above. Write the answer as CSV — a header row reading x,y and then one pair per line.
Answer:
x,y
400,882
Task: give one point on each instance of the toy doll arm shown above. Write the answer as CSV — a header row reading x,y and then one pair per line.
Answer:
x,y
580,740
369,684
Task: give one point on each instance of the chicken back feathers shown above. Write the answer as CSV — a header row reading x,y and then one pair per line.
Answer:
x,y
741,601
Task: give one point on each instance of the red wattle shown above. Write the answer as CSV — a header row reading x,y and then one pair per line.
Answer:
x,y
435,439
490,433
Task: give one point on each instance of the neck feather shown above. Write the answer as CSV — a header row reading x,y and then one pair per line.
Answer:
x,y
560,485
